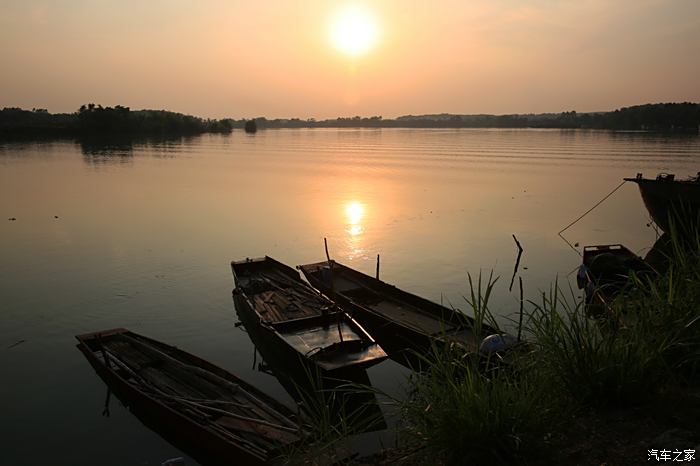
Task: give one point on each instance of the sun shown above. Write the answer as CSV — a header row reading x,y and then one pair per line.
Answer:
x,y
353,31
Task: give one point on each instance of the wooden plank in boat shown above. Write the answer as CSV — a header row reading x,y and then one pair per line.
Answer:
x,y
265,431
279,308
411,317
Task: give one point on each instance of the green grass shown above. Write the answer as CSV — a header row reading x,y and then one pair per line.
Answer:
x,y
590,362
463,415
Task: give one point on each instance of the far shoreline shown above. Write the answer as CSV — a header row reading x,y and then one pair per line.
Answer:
x,y
95,121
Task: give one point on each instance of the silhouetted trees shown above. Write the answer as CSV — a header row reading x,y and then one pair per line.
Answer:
x,y
18,122
251,126
658,117
96,120
650,117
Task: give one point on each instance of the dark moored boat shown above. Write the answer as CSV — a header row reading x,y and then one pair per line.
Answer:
x,y
304,321
605,271
208,412
667,198
317,393
400,320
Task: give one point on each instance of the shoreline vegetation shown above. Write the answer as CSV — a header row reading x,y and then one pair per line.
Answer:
x,y
623,389
95,120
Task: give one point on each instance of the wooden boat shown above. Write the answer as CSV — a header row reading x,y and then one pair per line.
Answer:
x,y
317,393
204,410
604,273
668,199
401,321
309,325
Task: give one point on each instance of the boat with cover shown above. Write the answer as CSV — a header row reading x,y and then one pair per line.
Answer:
x,y
306,323
670,200
400,321
202,409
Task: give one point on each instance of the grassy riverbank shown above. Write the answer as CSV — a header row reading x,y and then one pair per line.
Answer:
x,y
583,391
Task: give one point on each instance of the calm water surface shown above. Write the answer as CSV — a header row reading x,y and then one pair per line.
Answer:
x,y
145,233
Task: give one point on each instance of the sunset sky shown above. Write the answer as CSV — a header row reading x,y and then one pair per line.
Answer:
x,y
320,58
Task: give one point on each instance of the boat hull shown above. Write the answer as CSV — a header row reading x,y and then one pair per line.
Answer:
x,y
670,201
177,426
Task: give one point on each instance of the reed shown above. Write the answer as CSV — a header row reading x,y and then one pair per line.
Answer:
x,y
586,362
462,414
478,302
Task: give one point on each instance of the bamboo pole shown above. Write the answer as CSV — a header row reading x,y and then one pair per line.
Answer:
x,y
517,263
330,265
520,322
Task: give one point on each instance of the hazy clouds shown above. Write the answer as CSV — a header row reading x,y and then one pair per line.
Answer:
x,y
231,58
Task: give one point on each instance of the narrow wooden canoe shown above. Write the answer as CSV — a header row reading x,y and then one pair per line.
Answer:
x,y
202,409
400,320
308,324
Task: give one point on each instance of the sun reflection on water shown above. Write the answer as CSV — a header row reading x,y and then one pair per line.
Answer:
x,y
354,215
354,212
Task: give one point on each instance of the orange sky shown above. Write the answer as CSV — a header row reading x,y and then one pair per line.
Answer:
x,y
239,59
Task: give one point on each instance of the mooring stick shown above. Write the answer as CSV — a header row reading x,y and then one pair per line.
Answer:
x,y
105,410
330,266
520,323
517,263
377,266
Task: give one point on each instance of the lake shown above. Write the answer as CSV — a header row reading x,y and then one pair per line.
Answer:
x,y
140,235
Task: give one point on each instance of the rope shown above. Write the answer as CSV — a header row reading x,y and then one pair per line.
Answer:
x,y
586,213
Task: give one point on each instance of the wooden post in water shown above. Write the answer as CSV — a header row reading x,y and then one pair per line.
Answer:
x,y
517,262
377,266
330,266
520,322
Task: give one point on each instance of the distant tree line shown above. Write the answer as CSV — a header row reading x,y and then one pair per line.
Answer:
x,y
651,117
96,120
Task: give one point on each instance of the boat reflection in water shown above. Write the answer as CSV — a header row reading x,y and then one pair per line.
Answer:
x,y
342,396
